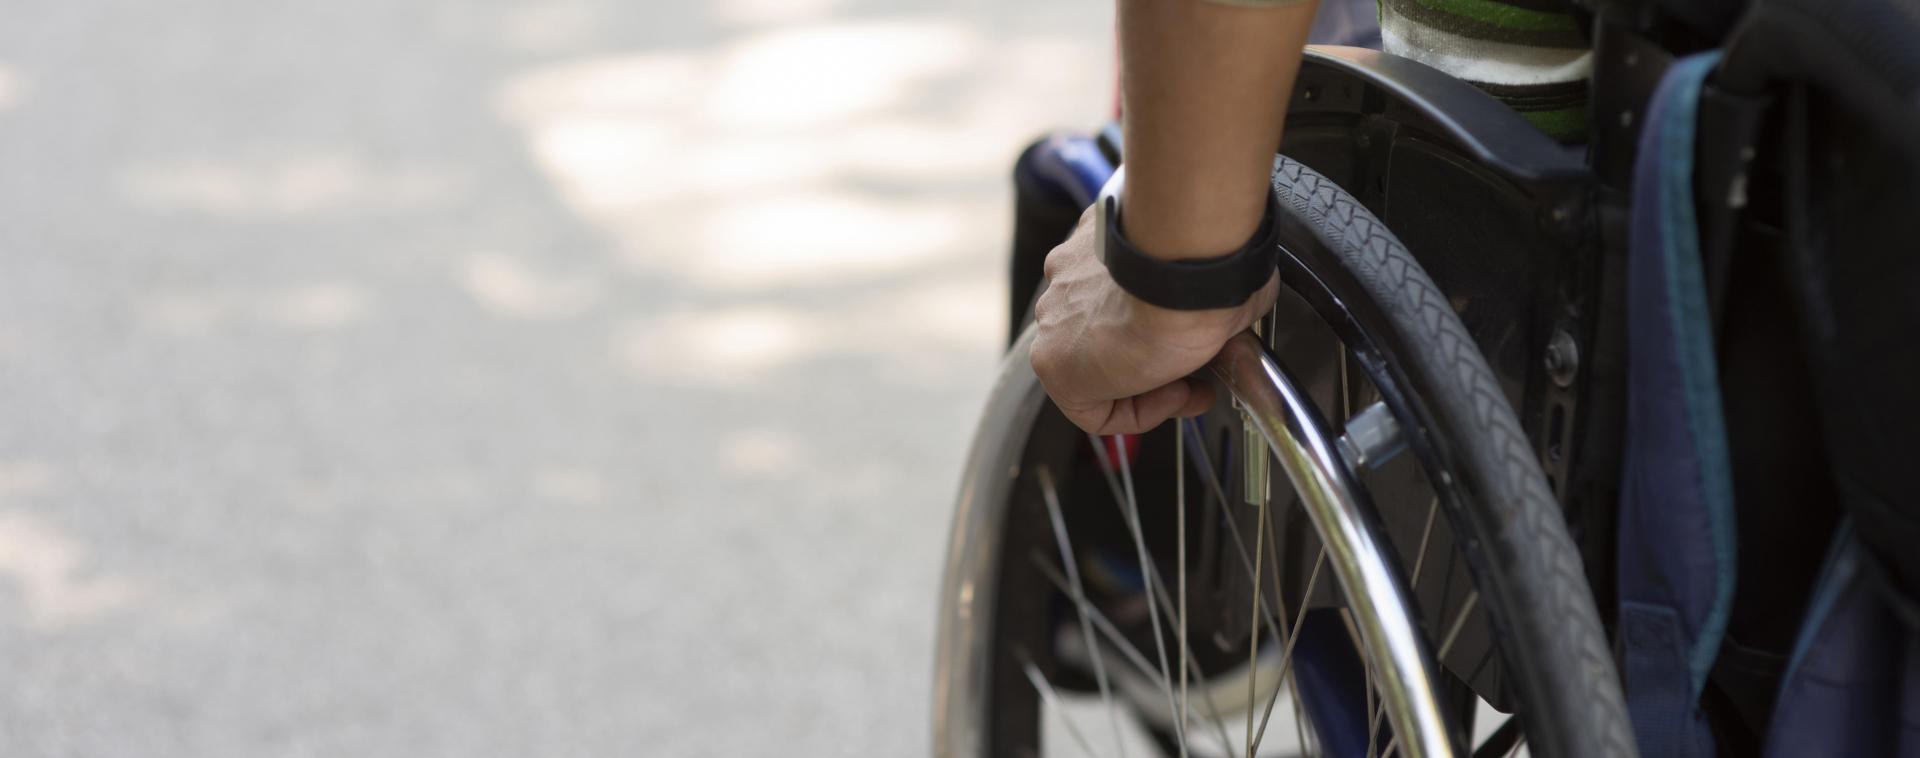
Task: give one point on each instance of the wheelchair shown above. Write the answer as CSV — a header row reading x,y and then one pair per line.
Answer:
x,y
1397,530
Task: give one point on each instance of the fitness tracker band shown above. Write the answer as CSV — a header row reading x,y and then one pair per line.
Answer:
x,y
1184,285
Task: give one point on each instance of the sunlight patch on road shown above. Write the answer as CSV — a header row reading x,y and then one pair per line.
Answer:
x,y
827,73
951,312
641,84
13,87
717,347
809,154
49,570
609,163
824,237
511,287
916,334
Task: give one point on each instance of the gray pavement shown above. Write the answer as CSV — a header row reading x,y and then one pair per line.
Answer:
x,y
452,378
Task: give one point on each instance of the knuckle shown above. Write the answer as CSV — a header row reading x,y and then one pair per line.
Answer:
x,y
1043,305
1045,363
1055,261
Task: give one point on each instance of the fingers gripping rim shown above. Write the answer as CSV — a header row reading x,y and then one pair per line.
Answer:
x,y
1554,638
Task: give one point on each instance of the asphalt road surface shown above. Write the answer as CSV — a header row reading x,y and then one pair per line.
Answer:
x,y
464,378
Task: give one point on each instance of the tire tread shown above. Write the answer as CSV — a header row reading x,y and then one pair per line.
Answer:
x,y
1552,605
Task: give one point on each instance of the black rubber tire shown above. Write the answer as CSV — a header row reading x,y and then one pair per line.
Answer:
x,y
1528,571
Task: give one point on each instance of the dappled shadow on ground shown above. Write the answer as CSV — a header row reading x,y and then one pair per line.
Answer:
x,y
803,184
456,378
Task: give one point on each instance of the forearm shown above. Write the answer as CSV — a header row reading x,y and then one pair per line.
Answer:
x,y
1204,89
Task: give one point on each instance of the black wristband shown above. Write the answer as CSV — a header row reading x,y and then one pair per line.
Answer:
x,y
1186,285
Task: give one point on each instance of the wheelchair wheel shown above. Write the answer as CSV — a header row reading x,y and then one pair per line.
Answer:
x,y
1276,577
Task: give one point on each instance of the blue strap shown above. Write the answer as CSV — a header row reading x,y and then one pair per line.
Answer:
x,y
1676,542
1847,686
1660,702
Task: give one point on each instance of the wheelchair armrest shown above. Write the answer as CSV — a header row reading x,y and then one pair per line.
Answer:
x,y
1435,102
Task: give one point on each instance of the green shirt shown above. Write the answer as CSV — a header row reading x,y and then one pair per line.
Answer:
x,y
1530,54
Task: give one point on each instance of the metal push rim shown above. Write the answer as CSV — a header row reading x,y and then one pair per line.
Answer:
x,y
1363,561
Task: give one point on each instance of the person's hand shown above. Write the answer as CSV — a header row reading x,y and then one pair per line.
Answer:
x,y
1114,364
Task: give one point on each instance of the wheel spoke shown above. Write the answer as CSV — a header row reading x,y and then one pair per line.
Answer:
x,y
1052,698
1275,624
1286,654
1252,563
1453,633
1300,726
1180,571
1187,657
1426,534
1052,497
1253,640
1377,709
1284,635
1175,604
1374,705
1205,463
1129,652
1459,622
1160,597
1132,509
1271,616
1289,634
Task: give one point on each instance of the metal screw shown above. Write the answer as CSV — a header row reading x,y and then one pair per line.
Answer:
x,y
1563,358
